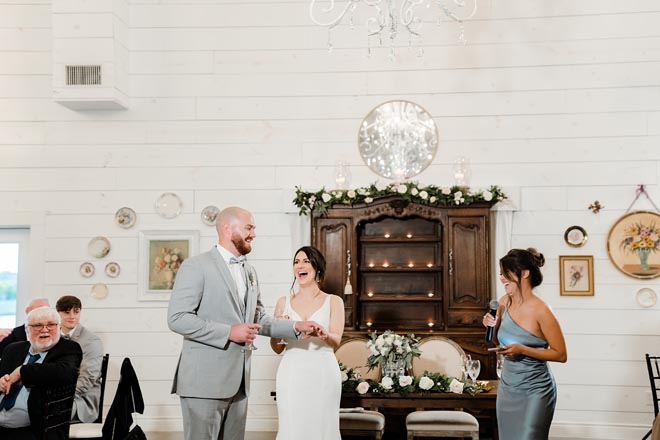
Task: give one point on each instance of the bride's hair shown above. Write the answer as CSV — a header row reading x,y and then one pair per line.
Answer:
x,y
316,259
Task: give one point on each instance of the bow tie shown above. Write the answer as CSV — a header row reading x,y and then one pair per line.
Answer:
x,y
237,260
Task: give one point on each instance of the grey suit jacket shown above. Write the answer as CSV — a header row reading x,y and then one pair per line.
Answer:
x,y
88,387
203,307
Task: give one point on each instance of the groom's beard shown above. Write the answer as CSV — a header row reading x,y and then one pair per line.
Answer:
x,y
241,245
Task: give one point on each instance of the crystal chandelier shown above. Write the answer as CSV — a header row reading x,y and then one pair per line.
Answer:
x,y
389,17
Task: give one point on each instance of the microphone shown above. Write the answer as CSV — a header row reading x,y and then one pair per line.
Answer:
x,y
492,309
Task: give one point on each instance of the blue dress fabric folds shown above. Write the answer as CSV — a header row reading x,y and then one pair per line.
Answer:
x,y
527,392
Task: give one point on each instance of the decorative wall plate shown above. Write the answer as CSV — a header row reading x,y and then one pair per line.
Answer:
x,y
575,236
98,247
125,217
99,291
210,214
646,297
87,269
168,205
112,269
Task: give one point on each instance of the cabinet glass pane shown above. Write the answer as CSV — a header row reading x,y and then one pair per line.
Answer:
x,y
408,315
399,284
410,255
400,228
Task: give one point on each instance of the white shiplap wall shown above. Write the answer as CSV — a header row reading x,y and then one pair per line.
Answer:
x,y
238,102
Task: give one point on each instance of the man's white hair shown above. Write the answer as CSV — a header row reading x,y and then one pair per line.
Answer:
x,y
41,312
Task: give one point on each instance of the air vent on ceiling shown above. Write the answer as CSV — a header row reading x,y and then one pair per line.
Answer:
x,y
83,75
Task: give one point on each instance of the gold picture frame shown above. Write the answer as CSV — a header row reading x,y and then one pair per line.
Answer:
x,y
633,244
159,258
575,236
576,275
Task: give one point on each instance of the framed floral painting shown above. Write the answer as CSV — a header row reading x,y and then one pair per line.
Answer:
x,y
159,259
576,275
633,244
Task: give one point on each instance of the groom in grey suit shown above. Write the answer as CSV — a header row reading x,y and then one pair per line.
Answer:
x,y
216,307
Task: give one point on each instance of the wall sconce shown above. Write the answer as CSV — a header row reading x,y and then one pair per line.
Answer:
x,y
342,174
461,170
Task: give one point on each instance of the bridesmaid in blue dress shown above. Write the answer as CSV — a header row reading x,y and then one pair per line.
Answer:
x,y
529,336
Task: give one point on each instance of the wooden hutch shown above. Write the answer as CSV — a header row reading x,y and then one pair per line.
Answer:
x,y
413,268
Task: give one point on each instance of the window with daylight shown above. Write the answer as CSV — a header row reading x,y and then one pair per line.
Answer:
x,y
13,273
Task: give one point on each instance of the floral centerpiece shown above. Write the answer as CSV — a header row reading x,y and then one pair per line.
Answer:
x,y
432,195
392,352
428,382
641,240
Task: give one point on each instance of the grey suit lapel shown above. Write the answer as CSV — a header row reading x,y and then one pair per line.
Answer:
x,y
229,280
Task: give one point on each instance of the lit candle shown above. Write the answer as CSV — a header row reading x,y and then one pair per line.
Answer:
x,y
430,294
387,235
431,324
459,176
411,265
340,180
371,264
368,323
409,235
370,294
386,264
429,265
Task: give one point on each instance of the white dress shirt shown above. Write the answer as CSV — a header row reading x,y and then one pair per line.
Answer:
x,y
236,271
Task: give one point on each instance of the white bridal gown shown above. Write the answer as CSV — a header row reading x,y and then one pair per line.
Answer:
x,y
309,385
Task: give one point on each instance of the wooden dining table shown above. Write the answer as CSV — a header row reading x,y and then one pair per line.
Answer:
x,y
395,407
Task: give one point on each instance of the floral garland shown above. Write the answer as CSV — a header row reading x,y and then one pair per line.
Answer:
x,y
428,382
432,195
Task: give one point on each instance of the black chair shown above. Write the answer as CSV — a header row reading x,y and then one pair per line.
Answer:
x,y
653,366
57,403
93,430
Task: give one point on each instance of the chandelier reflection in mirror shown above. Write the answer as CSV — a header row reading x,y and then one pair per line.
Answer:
x,y
398,140
386,19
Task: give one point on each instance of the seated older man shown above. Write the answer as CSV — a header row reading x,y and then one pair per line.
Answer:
x,y
26,367
19,333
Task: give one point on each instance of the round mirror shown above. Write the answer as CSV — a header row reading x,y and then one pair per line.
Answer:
x,y
398,139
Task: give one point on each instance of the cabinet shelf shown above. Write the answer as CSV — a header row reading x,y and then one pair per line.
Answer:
x,y
400,298
400,269
398,240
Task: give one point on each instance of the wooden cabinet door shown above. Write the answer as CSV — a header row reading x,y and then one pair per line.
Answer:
x,y
334,237
467,270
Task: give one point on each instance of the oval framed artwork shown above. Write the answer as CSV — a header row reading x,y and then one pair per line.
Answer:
x,y
633,244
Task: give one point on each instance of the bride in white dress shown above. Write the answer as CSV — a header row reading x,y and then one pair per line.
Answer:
x,y
308,379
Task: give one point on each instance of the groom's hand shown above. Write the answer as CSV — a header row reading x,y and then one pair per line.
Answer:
x,y
309,329
242,333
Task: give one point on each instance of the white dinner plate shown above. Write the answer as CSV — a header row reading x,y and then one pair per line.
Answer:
x,y
646,297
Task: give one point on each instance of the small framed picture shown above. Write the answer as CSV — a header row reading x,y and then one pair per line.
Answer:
x,y
159,259
576,275
575,236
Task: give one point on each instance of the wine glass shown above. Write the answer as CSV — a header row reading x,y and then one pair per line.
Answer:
x,y
282,341
250,345
474,368
500,365
466,360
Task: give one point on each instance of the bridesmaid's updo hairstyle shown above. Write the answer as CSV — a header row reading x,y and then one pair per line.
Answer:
x,y
519,260
316,259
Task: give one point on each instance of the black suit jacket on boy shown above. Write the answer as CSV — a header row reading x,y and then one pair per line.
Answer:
x,y
59,367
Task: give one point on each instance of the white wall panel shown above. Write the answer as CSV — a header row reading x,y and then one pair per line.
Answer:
x,y
236,103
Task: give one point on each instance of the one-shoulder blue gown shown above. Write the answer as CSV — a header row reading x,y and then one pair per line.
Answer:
x,y
527,392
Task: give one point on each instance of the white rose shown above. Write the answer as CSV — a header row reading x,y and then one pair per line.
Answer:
x,y
398,342
426,383
488,196
424,195
402,189
368,200
362,191
456,387
362,387
326,197
408,349
387,382
374,350
414,191
312,200
344,376
458,195
381,186
432,199
446,190
167,258
351,194
404,381
175,257
389,340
